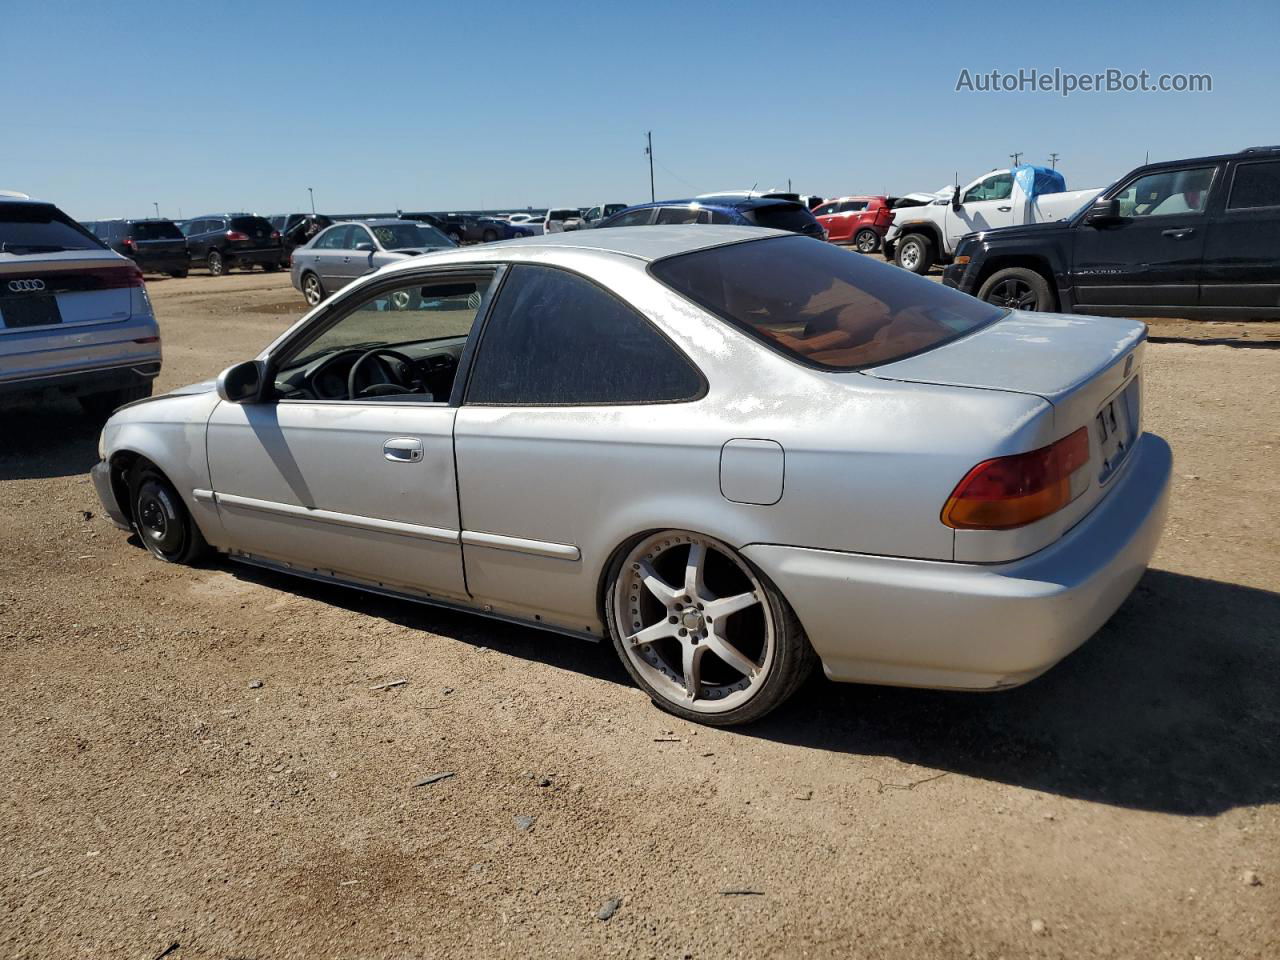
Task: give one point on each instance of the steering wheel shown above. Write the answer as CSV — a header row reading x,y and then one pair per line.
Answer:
x,y
378,389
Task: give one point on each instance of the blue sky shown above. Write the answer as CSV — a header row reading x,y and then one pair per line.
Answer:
x,y
485,105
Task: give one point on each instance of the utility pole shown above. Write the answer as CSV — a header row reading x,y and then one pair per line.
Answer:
x,y
1053,161
156,204
311,194
1014,157
648,151
788,184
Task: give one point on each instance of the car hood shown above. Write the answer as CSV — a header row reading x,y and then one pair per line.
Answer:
x,y
190,390
1031,230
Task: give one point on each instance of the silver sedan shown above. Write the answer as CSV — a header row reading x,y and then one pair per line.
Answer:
x,y
341,253
732,453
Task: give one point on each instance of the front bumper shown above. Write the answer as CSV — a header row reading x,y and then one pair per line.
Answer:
x,y
924,623
100,474
957,275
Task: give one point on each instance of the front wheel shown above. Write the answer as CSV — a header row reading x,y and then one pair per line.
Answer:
x,y
179,274
914,252
270,267
217,266
161,520
702,633
490,236
866,241
1018,289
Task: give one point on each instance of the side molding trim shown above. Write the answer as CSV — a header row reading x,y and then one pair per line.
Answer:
x,y
418,530
536,548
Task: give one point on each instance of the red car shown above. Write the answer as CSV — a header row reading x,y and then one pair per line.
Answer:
x,y
860,221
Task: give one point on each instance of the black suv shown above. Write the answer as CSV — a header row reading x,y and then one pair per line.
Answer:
x,y
156,246
221,241
1190,238
295,229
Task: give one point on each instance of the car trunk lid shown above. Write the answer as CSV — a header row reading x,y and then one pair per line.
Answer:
x,y
71,287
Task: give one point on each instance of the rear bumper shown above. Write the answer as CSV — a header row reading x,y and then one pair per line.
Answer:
x,y
966,626
163,264
269,255
85,382
100,474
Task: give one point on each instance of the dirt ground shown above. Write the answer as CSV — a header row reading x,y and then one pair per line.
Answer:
x,y
194,764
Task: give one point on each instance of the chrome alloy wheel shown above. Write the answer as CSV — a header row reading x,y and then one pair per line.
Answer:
x,y
694,621
911,255
311,289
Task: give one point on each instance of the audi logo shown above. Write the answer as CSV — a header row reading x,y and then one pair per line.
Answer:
x,y
26,286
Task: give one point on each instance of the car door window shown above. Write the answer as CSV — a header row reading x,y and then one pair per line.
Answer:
x,y
673,215
426,321
718,216
335,238
1166,193
853,206
825,209
636,218
1255,185
554,338
998,186
358,236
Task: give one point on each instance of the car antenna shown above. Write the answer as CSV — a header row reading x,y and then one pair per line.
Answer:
x,y
753,189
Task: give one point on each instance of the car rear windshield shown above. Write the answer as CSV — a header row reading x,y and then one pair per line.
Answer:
x,y
783,216
563,215
822,305
154,230
40,228
251,224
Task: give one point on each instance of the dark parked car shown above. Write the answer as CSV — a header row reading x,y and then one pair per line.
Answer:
x,y
468,228
222,241
1188,238
751,212
296,229
156,246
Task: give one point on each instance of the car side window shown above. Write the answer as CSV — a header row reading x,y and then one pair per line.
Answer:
x,y
853,206
998,186
360,235
333,239
593,214
719,216
554,338
825,209
1166,192
1255,185
671,215
636,218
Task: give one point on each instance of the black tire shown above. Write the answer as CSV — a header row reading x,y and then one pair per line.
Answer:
x,y
161,519
179,274
270,267
793,658
312,289
914,253
490,236
1018,288
217,265
866,240
101,405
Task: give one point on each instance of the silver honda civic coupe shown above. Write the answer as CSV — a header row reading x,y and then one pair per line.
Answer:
x,y
732,452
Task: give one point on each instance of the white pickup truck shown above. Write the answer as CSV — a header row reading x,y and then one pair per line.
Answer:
x,y
919,237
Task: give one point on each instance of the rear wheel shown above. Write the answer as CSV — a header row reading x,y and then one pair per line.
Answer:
x,y
866,241
271,267
311,289
490,236
700,631
1018,288
161,518
914,252
179,274
217,266
100,405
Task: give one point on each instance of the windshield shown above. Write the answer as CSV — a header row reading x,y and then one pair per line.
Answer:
x,y
822,305
40,228
397,236
154,230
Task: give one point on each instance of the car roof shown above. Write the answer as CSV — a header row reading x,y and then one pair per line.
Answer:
x,y
639,243
385,222
1249,153
720,203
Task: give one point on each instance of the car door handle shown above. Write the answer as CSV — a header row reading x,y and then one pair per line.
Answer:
x,y
1178,233
1004,209
402,450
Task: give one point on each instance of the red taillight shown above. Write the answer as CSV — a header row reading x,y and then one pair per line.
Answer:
x,y
112,278
1013,491
275,234
128,244
236,235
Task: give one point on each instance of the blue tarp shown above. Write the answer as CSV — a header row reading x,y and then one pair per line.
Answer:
x,y
1037,181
